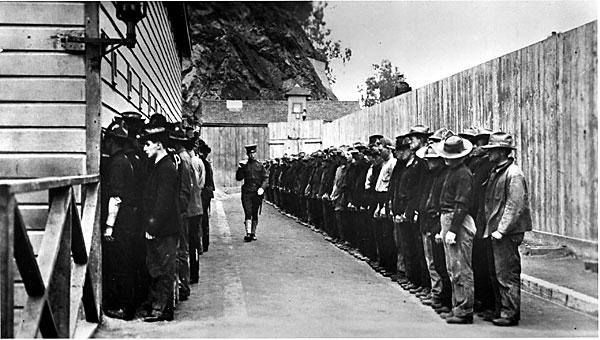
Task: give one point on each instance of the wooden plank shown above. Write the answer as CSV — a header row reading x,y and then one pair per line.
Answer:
x,y
41,64
42,89
92,91
46,13
25,259
31,165
42,114
7,208
33,38
42,140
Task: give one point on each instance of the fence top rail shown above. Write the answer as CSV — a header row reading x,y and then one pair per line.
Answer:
x,y
15,186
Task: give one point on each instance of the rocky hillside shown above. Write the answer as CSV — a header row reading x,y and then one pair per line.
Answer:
x,y
250,50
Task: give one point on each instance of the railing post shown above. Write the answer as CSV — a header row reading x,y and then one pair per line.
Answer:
x,y
7,213
59,292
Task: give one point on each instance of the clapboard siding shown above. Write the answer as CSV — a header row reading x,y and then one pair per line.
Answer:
x,y
227,144
20,13
51,114
153,64
42,98
545,94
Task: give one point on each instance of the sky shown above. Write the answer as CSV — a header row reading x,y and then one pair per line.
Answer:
x,y
431,40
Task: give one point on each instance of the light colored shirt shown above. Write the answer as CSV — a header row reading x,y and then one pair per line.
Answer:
x,y
367,180
383,181
198,178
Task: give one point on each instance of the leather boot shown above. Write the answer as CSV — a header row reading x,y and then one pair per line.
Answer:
x,y
253,230
248,225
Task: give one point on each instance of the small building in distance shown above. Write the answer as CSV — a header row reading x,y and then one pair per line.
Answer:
x,y
277,126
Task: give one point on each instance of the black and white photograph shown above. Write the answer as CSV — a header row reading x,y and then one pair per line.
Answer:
x,y
299,169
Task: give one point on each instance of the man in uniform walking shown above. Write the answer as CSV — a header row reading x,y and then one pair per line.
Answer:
x,y
255,182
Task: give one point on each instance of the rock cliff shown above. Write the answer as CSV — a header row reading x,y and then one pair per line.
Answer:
x,y
250,50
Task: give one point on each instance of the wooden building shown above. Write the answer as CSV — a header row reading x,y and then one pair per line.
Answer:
x,y
228,125
56,93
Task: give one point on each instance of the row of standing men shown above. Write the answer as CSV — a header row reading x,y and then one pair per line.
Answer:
x,y
441,214
157,185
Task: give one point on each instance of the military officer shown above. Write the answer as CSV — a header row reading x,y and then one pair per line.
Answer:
x,y
255,178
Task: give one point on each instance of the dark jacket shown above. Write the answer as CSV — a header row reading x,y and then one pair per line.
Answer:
x,y
254,175
507,201
457,194
161,200
209,183
480,167
408,192
431,212
119,182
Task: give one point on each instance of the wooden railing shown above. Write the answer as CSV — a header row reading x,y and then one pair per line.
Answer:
x,y
57,285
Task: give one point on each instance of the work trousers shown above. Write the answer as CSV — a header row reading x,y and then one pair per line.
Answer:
x,y
400,263
183,260
205,224
251,203
328,220
387,250
195,246
362,231
339,224
458,263
434,278
439,259
484,292
119,272
412,249
506,279
161,261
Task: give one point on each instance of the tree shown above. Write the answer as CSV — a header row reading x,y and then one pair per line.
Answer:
x,y
387,82
315,28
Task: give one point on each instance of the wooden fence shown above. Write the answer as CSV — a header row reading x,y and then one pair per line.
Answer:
x,y
295,136
227,144
50,279
545,94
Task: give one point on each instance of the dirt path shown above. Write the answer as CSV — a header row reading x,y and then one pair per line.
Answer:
x,y
293,283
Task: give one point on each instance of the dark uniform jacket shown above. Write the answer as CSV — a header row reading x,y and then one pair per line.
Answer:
x,y
161,199
254,175
315,179
120,183
394,186
408,191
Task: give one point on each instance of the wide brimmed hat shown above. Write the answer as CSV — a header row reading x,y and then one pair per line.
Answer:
x,y
441,134
483,132
374,139
402,142
387,143
359,146
157,120
427,152
469,132
418,130
251,148
177,133
116,130
453,147
158,133
500,140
